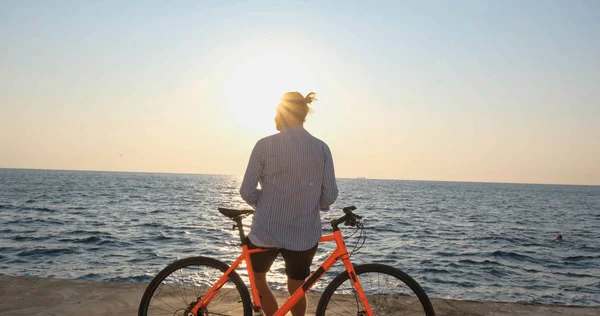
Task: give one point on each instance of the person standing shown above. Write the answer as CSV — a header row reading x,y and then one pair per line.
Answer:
x,y
297,181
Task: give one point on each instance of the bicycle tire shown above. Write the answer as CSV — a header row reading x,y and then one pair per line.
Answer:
x,y
339,297
175,296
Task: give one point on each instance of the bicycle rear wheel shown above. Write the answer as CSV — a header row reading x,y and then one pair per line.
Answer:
x,y
389,292
180,285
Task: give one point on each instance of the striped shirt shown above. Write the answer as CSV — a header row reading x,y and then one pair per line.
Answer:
x,y
297,180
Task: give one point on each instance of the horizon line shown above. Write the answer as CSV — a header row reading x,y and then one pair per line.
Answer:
x,y
344,178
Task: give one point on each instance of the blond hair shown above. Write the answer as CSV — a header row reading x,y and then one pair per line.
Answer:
x,y
296,104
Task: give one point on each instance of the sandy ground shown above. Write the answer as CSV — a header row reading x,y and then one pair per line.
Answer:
x,y
48,296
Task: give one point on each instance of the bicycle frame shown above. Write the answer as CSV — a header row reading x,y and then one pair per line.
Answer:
x,y
340,253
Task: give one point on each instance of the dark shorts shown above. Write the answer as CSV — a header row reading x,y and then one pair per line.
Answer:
x,y
297,263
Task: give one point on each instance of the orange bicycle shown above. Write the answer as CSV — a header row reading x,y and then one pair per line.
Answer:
x,y
204,286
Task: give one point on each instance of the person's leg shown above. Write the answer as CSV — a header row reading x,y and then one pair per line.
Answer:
x,y
267,299
300,308
297,269
261,264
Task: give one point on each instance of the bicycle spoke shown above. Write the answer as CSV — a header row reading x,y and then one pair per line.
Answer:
x,y
183,288
340,305
175,290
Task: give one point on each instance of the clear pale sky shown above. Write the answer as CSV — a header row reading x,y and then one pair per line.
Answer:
x,y
495,91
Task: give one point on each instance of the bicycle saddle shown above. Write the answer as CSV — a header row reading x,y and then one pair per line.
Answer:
x,y
234,213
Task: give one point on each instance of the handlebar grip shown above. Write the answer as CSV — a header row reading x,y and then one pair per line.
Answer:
x,y
349,209
347,218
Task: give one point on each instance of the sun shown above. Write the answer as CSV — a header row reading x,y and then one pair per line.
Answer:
x,y
255,85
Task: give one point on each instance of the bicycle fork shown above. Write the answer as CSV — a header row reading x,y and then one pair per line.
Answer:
x,y
356,284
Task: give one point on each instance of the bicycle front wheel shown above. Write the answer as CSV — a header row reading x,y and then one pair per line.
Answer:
x,y
389,292
176,289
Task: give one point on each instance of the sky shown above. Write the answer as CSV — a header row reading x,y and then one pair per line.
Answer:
x,y
485,91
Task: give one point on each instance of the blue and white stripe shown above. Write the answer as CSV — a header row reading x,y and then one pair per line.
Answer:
x,y
297,180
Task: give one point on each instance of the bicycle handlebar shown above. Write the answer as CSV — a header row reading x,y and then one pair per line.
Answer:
x,y
349,219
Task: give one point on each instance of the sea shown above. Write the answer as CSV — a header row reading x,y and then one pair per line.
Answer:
x,y
459,240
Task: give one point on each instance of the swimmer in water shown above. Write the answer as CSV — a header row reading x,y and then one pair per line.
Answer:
x,y
558,238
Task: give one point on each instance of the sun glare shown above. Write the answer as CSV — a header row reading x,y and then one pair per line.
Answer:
x,y
253,89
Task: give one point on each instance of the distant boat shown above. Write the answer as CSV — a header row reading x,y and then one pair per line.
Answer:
x,y
362,178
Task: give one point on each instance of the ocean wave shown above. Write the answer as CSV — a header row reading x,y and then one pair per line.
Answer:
x,y
434,271
532,270
161,236
580,258
485,262
587,248
513,256
7,249
39,209
453,265
116,255
90,276
576,275
495,271
459,284
445,254
115,243
87,232
532,244
85,240
76,208
30,238
36,252
581,289
497,239
145,257
13,261
153,224
32,220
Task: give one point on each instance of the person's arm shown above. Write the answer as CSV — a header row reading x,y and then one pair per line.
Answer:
x,y
329,189
248,190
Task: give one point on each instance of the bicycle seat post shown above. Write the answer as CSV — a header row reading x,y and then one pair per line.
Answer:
x,y
240,227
